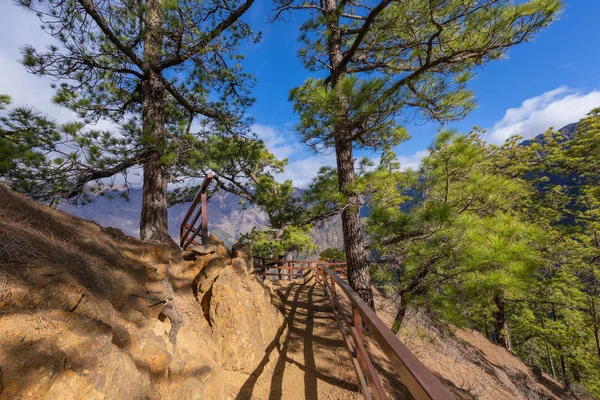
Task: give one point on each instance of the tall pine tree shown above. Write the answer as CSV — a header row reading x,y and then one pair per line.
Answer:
x,y
155,66
383,61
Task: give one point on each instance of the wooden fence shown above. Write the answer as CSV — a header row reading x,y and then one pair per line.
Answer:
x,y
189,231
421,383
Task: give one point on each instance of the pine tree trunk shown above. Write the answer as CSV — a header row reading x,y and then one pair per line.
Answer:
x,y
501,324
153,221
358,270
596,323
563,361
597,337
400,314
565,372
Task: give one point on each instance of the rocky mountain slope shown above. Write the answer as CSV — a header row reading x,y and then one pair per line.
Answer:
x,y
227,218
88,312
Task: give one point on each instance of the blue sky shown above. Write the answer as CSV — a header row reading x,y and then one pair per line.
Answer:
x,y
563,61
551,81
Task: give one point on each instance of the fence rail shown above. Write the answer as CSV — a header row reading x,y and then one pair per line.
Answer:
x,y
290,269
189,231
421,383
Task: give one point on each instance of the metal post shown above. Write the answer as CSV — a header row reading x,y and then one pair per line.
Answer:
x,y
204,211
332,286
359,333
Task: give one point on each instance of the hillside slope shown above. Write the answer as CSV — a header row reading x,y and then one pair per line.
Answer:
x,y
467,363
87,312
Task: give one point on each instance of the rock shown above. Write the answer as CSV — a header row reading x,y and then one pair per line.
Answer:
x,y
203,249
208,274
537,371
222,250
61,355
239,266
243,332
157,272
214,240
243,250
151,350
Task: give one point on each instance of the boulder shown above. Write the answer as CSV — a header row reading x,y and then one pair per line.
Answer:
x,y
151,348
208,274
203,249
214,240
243,320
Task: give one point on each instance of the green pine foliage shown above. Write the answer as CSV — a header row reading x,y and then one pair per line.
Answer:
x,y
166,74
503,239
385,62
332,254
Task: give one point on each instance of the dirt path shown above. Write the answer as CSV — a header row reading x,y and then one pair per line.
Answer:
x,y
312,362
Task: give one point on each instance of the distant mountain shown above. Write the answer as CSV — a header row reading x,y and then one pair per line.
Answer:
x,y
226,216
568,132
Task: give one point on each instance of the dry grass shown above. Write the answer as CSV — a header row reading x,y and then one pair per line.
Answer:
x,y
466,362
104,261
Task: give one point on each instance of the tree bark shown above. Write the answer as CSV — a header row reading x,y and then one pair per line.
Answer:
x,y
548,355
596,323
153,221
597,337
563,361
501,324
400,314
358,270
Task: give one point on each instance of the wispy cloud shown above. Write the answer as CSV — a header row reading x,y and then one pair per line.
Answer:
x,y
555,108
303,163
279,142
18,29
413,161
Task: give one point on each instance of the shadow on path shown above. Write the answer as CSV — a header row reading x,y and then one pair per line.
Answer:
x,y
312,352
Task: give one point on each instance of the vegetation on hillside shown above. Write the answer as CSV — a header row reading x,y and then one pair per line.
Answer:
x,y
501,239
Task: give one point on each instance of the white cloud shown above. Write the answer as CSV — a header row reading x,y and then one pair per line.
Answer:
x,y
282,144
413,161
303,170
303,163
18,29
555,108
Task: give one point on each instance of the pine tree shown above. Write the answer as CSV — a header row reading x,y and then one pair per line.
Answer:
x,y
153,66
464,249
385,60
566,203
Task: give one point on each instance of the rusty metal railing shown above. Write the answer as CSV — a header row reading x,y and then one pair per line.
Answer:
x,y
421,383
189,231
290,269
